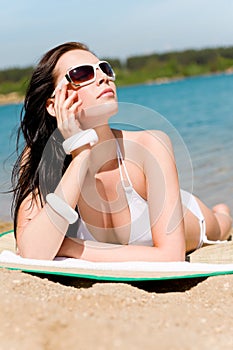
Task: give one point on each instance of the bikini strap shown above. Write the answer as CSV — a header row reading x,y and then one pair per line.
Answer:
x,y
122,162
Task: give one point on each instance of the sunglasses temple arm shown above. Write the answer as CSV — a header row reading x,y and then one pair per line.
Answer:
x,y
64,81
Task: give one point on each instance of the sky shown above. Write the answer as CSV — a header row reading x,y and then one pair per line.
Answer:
x,y
111,29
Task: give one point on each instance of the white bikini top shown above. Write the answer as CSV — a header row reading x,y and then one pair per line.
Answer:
x,y
140,232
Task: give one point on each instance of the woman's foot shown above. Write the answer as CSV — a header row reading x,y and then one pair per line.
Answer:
x,y
222,208
223,215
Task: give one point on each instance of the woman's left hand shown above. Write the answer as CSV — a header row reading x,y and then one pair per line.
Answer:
x,y
67,108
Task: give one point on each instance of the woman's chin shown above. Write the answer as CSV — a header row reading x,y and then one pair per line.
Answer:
x,y
96,116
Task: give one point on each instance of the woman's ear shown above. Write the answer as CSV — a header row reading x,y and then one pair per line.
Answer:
x,y
50,106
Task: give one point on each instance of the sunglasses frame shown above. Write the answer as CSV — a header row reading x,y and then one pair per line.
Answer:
x,y
67,79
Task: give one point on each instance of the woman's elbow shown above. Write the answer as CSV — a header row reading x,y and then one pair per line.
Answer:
x,y
33,251
171,254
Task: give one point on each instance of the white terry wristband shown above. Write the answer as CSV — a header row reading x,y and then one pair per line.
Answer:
x,y
61,208
80,139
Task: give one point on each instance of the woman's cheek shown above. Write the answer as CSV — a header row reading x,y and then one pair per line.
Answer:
x,y
88,98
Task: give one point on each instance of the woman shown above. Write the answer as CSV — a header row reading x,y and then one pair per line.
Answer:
x,y
119,189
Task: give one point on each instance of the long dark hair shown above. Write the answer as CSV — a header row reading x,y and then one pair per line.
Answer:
x,y
31,173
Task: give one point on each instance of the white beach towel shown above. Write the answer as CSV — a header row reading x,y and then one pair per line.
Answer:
x,y
131,268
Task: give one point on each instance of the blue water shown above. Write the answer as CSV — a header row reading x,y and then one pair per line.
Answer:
x,y
197,113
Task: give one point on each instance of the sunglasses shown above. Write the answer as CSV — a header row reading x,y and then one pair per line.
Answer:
x,y
86,74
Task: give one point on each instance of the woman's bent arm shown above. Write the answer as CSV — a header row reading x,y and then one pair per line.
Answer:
x,y
38,235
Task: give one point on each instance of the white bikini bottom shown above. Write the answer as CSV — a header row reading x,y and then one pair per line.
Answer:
x,y
190,202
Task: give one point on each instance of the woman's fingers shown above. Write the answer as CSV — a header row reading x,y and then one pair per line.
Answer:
x,y
74,108
66,108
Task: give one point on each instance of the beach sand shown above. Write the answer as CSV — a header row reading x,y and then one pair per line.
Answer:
x,y
65,313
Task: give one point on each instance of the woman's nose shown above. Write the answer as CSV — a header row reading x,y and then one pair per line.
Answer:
x,y
101,77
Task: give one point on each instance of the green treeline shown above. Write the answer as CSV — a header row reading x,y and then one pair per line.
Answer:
x,y
141,69
14,80
186,63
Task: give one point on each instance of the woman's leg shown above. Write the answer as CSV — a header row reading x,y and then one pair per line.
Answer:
x,y
218,224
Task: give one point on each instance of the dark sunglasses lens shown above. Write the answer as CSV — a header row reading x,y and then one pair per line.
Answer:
x,y
81,74
107,69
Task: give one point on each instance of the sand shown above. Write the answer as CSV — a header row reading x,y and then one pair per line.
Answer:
x,y
66,313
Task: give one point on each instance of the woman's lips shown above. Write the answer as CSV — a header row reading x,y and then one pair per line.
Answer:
x,y
106,93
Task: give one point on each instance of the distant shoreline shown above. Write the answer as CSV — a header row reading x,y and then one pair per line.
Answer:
x,y
11,98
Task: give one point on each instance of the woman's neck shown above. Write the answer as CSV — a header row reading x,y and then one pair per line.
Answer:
x,y
104,153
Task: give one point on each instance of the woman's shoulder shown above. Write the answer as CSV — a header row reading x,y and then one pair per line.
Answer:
x,y
147,137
